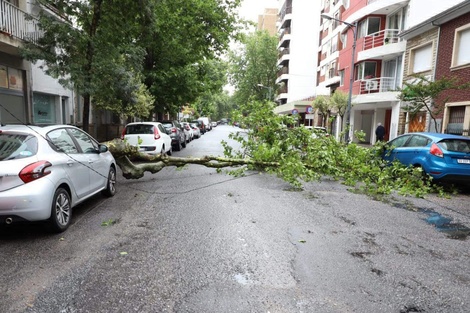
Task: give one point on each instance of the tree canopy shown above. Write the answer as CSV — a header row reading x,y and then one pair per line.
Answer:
x,y
128,54
253,68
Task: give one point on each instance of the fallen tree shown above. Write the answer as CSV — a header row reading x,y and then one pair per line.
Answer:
x,y
134,164
291,153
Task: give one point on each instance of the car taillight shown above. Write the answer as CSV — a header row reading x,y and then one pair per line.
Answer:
x,y
173,130
123,133
35,171
435,150
156,133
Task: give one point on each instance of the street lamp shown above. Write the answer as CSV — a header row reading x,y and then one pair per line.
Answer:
x,y
351,76
268,88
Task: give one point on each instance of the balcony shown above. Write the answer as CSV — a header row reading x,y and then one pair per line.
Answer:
x,y
381,45
284,57
375,85
15,23
380,38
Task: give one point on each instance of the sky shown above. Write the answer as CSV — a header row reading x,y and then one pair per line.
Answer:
x,y
250,9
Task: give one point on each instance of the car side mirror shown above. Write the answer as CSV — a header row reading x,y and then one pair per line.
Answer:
x,y
103,148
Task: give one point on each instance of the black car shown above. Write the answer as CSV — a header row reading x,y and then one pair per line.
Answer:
x,y
175,130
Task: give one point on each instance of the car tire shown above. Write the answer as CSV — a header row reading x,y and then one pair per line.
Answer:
x,y
61,211
183,144
178,146
110,184
170,152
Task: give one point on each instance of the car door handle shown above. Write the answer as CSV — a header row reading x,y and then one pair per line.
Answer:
x,y
70,162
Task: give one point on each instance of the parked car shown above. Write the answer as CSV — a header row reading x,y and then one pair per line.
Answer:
x,y
207,122
444,157
201,125
47,171
150,137
214,124
196,130
318,131
188,131
178,138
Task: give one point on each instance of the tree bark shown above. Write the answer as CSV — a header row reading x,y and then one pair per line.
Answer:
x,y
134,164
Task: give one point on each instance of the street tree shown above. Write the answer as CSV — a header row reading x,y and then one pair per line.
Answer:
x,y
253,67
181,39
339,102
323,105
90,47
425,94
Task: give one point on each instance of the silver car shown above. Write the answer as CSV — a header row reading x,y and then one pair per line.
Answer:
x,y
46,171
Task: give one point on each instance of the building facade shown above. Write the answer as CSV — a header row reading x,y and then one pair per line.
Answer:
x,y
27,95
438,48
268,20
298,47
376,69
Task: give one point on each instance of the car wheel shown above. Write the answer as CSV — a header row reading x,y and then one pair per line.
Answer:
x,y
184,143
61,211
178,146
111,184
170,152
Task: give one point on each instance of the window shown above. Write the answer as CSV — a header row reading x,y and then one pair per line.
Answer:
x,y
84,141
341,78
44,109
368,26
418,141
366,70
334,44
461,46
421,59
61,141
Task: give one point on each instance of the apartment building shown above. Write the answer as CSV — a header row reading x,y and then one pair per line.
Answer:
x,y
298,45
268,20
27,95
378,59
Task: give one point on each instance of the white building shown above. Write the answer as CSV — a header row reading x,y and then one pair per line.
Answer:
x,y
27,95
298,29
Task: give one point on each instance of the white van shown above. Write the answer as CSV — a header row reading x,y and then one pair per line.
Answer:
x,y
206,121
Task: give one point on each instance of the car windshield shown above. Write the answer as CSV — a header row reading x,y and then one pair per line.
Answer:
x,y
139,129
17,146
456,145
167,125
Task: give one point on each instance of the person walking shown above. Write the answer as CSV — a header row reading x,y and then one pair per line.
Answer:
x,y
380,132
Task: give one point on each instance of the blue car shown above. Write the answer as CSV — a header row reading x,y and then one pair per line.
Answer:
x,y
444,157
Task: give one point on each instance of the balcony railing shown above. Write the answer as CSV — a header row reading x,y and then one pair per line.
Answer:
x,y
18,24
381,84
380,38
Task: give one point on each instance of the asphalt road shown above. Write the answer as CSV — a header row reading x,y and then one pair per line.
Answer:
x,y
192,240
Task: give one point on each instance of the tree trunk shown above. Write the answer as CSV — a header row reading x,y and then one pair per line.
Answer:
x,y
86,113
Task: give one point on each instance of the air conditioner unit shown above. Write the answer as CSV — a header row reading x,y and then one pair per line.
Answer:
x,y
371,85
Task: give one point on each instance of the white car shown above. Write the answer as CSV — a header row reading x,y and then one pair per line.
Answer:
x,y
188,129
150,137
46,171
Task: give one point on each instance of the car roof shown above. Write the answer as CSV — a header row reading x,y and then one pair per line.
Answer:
x,y
34,129
438,136
145,123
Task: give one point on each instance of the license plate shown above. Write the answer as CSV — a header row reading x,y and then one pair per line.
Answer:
x,y
463,161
